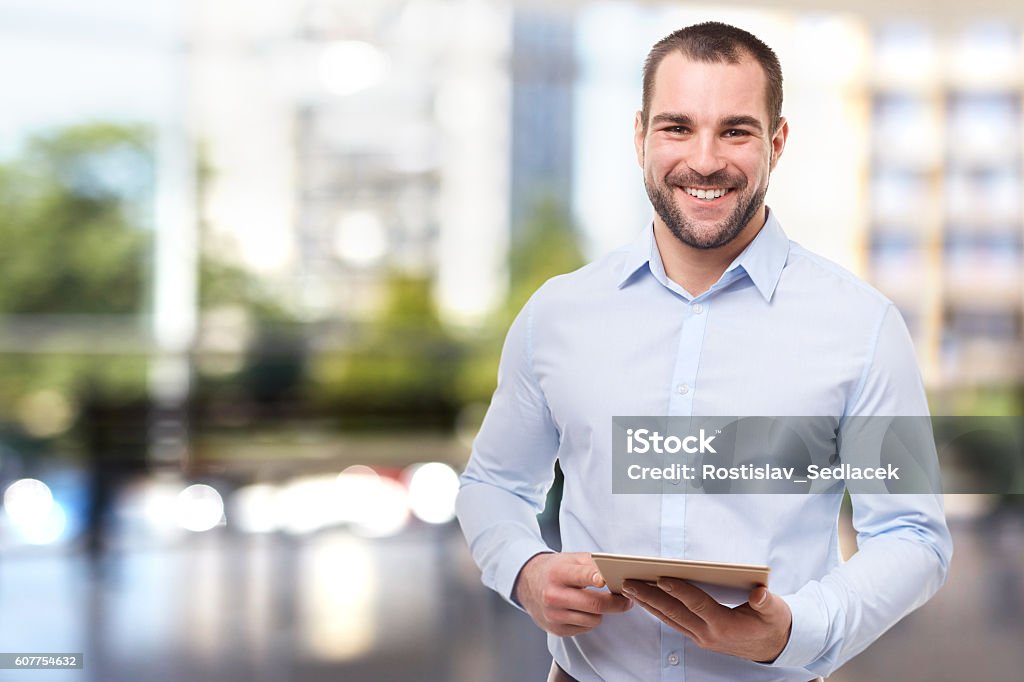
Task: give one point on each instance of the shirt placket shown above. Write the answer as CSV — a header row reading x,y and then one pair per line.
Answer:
x,y
673,503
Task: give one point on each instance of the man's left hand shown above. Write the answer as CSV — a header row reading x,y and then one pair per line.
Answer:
x,y
757,630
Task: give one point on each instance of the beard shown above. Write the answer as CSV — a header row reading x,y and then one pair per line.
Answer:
x,y
684,229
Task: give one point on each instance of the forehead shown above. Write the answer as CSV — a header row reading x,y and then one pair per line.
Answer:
x,y
714,89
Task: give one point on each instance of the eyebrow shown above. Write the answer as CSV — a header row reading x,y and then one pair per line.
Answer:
x,y
743,120
728,121
677,119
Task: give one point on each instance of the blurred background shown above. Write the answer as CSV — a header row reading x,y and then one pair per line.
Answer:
x,y
257,261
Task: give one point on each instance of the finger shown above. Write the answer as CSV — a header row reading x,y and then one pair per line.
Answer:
x,y
616,603
597,578
572,617
579,574
675,625
696,600
594,601
667,605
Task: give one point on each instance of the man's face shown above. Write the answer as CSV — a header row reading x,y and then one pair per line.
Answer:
x,y
707,151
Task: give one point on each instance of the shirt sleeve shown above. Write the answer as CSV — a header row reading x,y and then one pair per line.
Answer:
x,y
511,467
904,546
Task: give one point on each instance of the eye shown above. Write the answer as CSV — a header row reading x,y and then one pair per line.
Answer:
x,y
735,132
677,129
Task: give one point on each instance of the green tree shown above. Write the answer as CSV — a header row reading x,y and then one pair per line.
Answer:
x,y
74,240
545,245
401,370
73,228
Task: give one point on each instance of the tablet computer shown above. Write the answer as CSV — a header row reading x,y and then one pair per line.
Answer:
x,y
727,583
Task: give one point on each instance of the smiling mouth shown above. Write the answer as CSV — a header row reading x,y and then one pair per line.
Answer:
x,y
709,194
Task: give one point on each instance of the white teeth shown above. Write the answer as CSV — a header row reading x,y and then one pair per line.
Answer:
x,y
705,193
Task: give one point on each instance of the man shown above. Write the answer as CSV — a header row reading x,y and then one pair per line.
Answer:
x,y
710,311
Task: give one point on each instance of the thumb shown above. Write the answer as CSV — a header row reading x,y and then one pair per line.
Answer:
x,y
595,578
593,575
582,574
761,599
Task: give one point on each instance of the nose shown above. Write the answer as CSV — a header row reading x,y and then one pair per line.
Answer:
x,y
705,155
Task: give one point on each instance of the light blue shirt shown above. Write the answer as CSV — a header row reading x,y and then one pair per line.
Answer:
x,y
783,332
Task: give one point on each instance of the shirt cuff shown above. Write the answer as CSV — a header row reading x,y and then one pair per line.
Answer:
x,y
808,634
512,561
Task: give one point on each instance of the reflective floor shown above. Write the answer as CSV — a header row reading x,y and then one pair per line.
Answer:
x,y
227,607
331,606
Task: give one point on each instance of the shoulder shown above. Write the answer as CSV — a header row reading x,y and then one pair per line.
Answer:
x,y
590,282
815,276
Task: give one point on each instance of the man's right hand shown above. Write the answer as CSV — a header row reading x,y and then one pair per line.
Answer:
x,y
552,589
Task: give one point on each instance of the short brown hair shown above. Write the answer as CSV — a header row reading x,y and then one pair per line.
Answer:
x,y
712,42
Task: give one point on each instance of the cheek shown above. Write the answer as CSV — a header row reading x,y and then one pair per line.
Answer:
x,y
659,165
757,169
665,153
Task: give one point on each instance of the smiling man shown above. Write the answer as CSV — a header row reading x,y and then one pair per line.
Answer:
x,y
711,310
707,138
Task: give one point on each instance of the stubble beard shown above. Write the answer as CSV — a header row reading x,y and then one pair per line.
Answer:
x,y
685,230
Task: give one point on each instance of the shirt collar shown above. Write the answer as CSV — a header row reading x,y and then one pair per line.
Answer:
x,y
762,260
765,257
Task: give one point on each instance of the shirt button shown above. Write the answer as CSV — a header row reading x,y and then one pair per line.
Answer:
x,y
682,389
697,308
673,659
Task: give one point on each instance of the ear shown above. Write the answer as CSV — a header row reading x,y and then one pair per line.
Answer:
x,y
638,137
779,141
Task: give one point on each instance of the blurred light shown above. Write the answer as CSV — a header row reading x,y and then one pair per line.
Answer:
x,y
27,500
307,504
354,488
360,238
46,413
905,52
985,53
350,66
459,106
29,505
432,490
255,509
373,505
841,38
338,597
169,378
359,470
159,505
226,329
199,508
426,24
50,529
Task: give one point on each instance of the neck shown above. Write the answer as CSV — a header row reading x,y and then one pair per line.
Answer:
x,y
696,270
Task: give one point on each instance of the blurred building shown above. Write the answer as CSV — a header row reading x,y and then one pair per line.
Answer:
x,y
345,141
339,141
904,162
945,230
543,77
417,135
